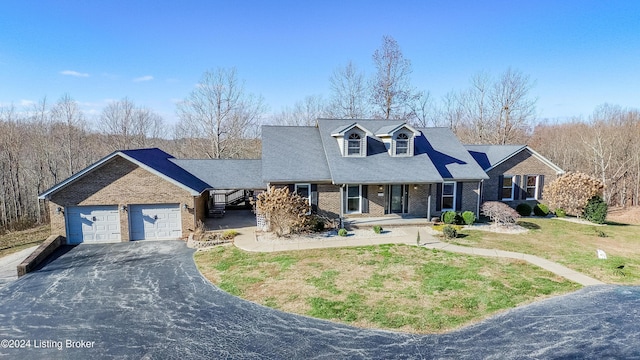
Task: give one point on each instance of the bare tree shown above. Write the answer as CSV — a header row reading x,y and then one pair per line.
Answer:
x,y
129,126
303,113
220,110
67,113
423,112
514,109
348,93
391,91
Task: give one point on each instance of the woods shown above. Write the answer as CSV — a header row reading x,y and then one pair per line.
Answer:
x,y
44,143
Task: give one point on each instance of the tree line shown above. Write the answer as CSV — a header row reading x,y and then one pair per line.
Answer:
x,y
45,143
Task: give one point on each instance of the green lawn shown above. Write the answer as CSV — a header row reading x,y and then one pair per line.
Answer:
x,y
573,245
17,240
396,287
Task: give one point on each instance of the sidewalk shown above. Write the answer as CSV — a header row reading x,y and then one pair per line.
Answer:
x,y
247,241
9,264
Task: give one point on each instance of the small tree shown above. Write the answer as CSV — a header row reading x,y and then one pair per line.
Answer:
x,y
572,191
596,210
500,213
285,212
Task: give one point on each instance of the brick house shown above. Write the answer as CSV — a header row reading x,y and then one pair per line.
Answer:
x,y
345,168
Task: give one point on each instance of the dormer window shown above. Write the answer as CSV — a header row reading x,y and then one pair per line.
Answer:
x,y
402,145
354,145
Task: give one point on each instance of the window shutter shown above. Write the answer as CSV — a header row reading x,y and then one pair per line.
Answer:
x,y
523,188
516,188
500,184
540,186
365,199
439,197
458,196
314,198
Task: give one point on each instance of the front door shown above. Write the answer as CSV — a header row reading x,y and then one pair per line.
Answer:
x,y
398,199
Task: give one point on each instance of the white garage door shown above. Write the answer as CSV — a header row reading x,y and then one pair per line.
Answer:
x,y
93,224
155,222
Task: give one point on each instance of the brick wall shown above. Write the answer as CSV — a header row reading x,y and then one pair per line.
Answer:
x,y
120,182
418,197
329,200
377,204
521,164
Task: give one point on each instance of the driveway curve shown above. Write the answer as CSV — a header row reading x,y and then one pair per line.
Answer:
x,y
147,300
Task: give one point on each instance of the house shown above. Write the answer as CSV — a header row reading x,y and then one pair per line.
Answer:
x,y
345,168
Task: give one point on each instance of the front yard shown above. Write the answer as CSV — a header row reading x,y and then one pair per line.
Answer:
x,y
395,287
17,240
573,245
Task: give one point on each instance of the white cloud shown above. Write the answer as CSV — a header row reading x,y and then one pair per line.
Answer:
x,y
143,78
25,103
74,73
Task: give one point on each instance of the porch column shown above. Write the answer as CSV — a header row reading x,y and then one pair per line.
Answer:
x,y
429,204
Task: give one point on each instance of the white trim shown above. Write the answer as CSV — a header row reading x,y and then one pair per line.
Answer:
x,y
544,160
346,204
513,182
308,185
455,188
526,186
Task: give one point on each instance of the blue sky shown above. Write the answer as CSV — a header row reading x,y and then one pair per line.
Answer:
x,y
579,53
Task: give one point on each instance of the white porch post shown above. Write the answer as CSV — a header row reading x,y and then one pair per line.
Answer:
x,y
429,204
479,198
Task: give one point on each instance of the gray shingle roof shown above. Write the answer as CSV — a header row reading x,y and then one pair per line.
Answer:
x,y
489,155
438,155
226,174
293,154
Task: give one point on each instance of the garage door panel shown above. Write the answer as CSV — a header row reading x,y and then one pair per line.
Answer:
x,y
155,221
93,224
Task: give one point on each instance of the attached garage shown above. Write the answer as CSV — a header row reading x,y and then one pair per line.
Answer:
x,y
93,224
128,195
155,222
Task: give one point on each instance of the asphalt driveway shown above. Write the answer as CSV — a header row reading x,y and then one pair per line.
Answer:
x,y
147,300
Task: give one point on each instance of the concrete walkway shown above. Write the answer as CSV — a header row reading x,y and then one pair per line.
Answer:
x,y
247,241
9,264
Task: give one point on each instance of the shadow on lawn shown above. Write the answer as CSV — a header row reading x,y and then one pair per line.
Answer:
x,y
529,225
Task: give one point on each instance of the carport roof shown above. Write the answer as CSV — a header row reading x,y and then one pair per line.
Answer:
x,y
153,160
228,174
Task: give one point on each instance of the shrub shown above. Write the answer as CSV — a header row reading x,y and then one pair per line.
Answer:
x,y
469,217
316,224
377,229
229,234
500,213
572,191
449,232
342,232
560,213
541,210
523,209
449,217
285,212
600,233
596,210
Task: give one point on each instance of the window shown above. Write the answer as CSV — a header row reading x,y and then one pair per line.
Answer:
x,y
507,187
304,191
532,187
353,199
402,144
353,145
448,196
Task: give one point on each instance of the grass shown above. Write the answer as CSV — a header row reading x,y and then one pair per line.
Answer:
x,y
394,287
17,240
573,245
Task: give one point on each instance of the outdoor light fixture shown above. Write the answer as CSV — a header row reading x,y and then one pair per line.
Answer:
x,y
415,187
123,208
186,207
59,210
380,188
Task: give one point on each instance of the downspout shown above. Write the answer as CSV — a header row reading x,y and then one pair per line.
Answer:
x,y
341,205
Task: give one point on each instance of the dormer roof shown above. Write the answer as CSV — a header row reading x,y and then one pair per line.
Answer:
x,y
340,131
390,130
